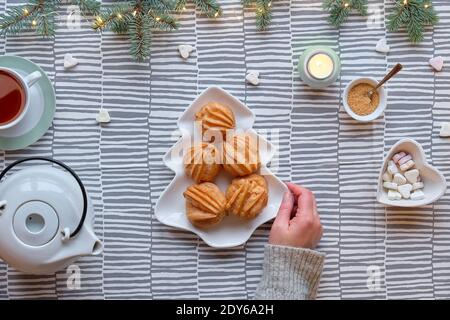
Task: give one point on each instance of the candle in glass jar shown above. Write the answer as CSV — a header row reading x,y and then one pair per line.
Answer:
x,y
320,66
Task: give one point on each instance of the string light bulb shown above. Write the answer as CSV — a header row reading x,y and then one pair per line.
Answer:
x,y
34,23
134,13
346,4
157,18
269,4
184,8
426,5
216,14
25,11
405,2
119,16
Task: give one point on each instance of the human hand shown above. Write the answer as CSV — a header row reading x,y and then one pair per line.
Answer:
x,y
297,223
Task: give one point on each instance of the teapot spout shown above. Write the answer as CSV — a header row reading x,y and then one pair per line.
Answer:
x,y
94,246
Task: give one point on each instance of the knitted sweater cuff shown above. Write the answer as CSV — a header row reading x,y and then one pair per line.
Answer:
x,y
290,273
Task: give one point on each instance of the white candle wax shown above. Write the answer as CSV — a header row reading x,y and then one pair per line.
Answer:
x,y
320,66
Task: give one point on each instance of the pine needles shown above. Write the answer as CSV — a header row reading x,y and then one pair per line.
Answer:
x,y
40,16
340,10
414,15
263,13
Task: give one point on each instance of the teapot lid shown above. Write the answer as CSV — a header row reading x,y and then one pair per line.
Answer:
x,y
38,197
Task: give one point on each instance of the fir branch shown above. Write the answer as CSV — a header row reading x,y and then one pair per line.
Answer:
x,y
414,15
210,8
263,13
140,36
88,7
40,15
340,10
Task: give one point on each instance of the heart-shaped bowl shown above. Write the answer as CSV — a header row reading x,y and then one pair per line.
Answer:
x,y
171,206
434,182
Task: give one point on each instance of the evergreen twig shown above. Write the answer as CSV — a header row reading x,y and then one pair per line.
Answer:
x,y
39,15
211,8
340,10
263,12
414,15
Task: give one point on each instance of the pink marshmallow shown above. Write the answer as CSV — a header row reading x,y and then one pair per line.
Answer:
x,y
398,156
404,159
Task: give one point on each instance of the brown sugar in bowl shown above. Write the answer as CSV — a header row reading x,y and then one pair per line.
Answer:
x,y
358,105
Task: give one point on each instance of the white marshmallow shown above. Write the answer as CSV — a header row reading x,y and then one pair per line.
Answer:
x,y
445,130
394,195
392,168
252,77
405,190
417,195
185,50
408,165
399,179
418,185
412,175
382,46
390,185
103,116
387,177
70,61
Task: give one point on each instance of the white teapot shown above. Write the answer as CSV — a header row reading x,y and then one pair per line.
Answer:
x,y
45,221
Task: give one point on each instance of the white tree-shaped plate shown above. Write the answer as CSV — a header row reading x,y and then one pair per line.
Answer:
x,y
170,207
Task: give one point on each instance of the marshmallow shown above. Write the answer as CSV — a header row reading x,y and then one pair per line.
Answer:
x,y
252,77
418,185
445,130
437,63
382,46
417,195
387,177
398,156
394,195
412,175
405,190
399,179
185,50
70,61
390,185
405,159
103,116
392,168
408,165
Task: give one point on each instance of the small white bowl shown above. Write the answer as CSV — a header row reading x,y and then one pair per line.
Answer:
x,y
434,182
378,111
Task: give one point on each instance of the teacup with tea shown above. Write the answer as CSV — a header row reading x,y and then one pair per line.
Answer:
x,y
14,96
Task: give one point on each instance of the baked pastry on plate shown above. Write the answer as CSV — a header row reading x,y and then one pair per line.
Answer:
x,y
247,196
216,116
241,155
202,162
205,204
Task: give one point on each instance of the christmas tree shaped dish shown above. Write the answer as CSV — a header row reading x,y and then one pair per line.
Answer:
x,y
170,207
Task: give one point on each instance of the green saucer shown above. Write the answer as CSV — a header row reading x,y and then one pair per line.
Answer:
x,y
47,91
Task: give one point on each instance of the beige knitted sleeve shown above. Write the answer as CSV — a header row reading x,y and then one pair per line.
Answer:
x,y
290,273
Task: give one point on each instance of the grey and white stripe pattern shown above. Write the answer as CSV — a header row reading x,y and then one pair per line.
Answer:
x,y
320,147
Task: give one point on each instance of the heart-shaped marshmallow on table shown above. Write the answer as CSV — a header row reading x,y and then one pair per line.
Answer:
x,y
185,50
252,77
424,183
437,63
69,61
382,46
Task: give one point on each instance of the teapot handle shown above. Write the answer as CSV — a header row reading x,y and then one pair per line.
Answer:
x,y
80,183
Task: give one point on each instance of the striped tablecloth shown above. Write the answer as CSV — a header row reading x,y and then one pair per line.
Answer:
x,y
320,147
